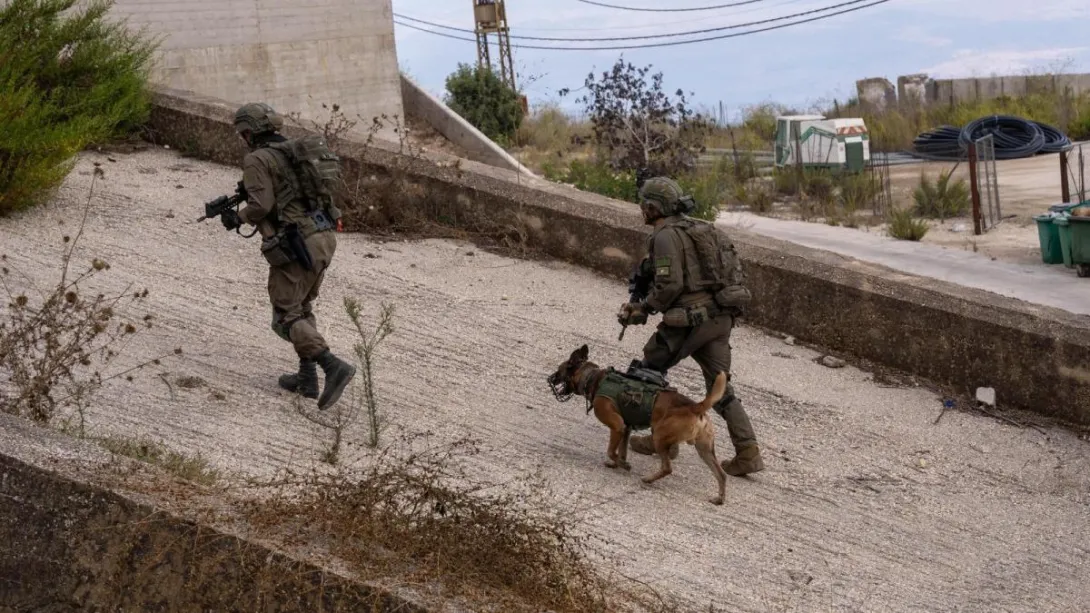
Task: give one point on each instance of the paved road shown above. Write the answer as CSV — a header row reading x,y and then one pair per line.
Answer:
x,y
866,505
1053,286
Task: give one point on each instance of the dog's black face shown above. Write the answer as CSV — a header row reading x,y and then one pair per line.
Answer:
x,y
562,382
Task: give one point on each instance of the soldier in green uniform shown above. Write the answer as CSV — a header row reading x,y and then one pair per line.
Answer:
x,y
699,288
276,206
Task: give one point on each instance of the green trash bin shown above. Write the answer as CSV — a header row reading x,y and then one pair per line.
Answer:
x,y
1049,235
1080,244
1063,228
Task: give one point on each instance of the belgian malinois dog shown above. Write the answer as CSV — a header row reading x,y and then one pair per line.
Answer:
x,y
675,418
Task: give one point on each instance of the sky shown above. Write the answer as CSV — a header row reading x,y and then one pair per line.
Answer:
x,y
799,66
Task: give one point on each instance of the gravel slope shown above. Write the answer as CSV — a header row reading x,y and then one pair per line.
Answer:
x,y
866,505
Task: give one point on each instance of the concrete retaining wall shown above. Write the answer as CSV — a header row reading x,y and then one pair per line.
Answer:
x,y
419,103
1036,358
75,537
294,54
950,91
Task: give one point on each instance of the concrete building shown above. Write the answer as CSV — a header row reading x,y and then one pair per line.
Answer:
x,y
293,54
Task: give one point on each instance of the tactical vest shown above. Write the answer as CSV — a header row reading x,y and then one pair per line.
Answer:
x,y
308,175
634,398
709,261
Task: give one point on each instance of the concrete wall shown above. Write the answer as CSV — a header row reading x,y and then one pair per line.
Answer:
x,y
918,88
876,92
948,91
294,54
81,530
1037,358
419,103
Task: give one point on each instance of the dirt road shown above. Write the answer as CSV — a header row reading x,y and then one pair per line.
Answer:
x,y
866,504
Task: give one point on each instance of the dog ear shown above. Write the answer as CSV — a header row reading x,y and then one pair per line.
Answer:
x,y
583,352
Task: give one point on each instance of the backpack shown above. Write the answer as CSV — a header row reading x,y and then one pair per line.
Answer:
x,y
719,264
316,175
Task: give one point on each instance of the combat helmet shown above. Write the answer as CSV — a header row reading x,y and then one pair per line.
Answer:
x,y
666,195
258,118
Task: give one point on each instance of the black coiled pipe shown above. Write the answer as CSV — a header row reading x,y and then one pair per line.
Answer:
x,y
1055,141
1014,138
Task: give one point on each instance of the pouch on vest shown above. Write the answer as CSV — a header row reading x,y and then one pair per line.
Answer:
x,y
676,318
733,297
276,250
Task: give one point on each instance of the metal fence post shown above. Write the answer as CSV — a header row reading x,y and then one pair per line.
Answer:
x,y
1065,189
974,188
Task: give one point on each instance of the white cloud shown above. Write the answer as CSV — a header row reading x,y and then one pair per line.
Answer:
x,y
974,63
1000,10
920,36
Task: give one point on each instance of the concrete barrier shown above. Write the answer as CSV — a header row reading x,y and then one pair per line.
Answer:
x,y
83,530
293,54
455,128
1037,358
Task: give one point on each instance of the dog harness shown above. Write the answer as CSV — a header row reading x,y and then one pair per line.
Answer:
x,y
634,398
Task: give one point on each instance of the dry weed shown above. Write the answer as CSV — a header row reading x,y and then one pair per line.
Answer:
x,y
62,342
422,517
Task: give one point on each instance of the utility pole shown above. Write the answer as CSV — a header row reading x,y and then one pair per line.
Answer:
x,y
490,17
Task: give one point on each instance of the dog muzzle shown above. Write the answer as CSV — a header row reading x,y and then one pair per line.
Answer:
x,y
559,388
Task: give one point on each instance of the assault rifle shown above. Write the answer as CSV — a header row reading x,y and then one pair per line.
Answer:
x,y
222,204
639,286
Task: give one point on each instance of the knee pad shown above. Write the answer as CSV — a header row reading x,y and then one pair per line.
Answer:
x,y
282,327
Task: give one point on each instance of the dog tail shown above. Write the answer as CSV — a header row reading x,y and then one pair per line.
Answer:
x,y
719,388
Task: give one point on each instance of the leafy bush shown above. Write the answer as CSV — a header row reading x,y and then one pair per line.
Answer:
x,y
482,99
595,176
941,199
547,129
903,226
65,82
638,126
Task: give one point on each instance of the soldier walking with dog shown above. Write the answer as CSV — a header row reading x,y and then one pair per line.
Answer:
x,y
696,282
287,185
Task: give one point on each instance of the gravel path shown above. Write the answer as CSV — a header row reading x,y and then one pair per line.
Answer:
x,y
866,504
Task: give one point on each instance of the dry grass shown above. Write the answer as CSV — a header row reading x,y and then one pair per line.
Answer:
x,y
422,517
189,468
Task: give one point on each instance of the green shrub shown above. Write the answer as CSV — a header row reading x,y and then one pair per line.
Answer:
x,y
548,129
941,199
903,226
65,82
857,190
482,99
595,176
710,187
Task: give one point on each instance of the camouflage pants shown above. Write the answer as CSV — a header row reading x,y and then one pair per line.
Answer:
x,y
709,346
293,290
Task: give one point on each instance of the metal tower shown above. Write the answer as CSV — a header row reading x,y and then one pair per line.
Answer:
x,y
490,17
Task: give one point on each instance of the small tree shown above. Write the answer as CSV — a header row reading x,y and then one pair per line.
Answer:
x,y
638,126
66,80
479,96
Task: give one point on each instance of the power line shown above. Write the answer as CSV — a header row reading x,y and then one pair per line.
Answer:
x,y
651,36
681,10
656,24
663,44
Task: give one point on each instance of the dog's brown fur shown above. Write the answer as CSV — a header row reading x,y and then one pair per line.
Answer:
x,y
1082,211
675,419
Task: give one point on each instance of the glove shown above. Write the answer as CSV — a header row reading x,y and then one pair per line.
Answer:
x,y
632,314
230,220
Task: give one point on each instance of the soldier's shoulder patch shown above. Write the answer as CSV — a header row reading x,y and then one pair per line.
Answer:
x,y
662,266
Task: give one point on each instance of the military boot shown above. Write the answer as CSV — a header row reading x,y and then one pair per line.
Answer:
x,y
337,375
747,461
643,445
305,381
